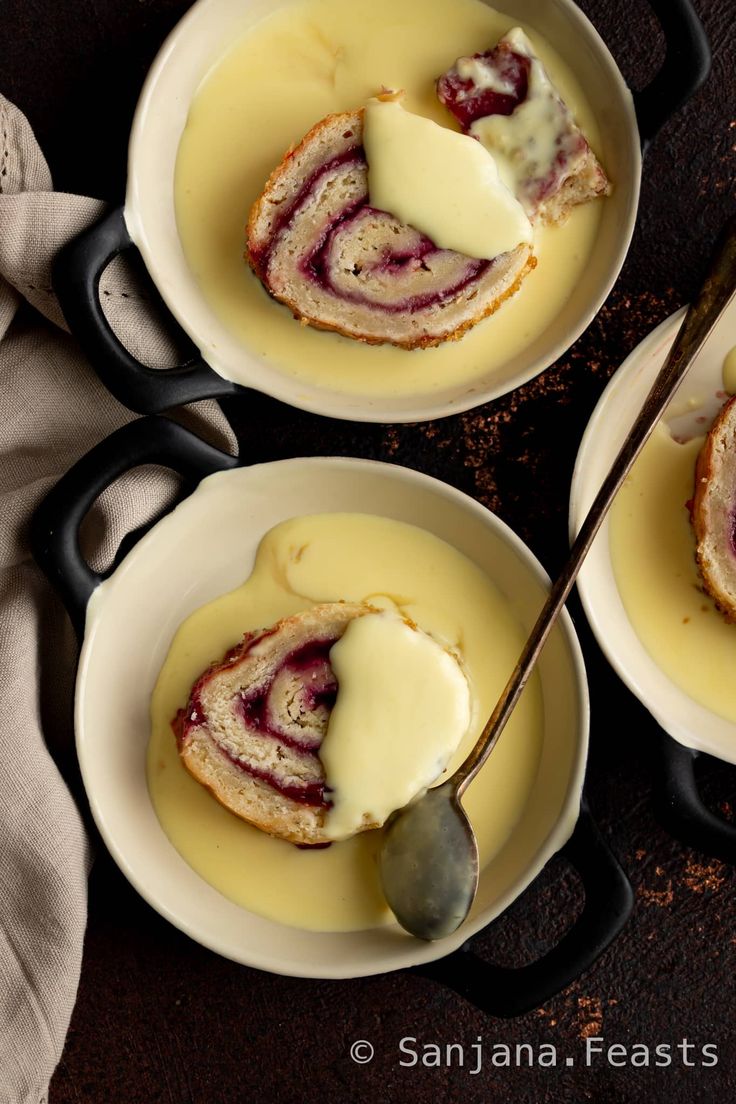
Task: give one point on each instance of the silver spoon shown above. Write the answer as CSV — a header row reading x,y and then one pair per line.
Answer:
x,y
429,857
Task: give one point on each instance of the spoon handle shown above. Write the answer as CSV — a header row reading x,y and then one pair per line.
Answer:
x,y
715,294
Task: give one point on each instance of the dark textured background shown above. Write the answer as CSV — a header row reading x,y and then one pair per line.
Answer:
x,y
161,1019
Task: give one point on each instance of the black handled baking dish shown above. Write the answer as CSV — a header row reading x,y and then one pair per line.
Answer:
x,y
215,364
125,621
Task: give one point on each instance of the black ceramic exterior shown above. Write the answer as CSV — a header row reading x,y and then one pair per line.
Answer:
x,y
156,440
79,266
503,991
76,280
685,67
55,525
681,809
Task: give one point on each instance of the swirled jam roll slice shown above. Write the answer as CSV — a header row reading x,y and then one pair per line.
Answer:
x,y
505,98
713,511
253,728
339,263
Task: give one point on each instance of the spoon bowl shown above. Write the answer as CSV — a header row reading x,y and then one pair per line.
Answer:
x,y
429,863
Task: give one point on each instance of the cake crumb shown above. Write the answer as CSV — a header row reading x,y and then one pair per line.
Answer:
x,y
700,877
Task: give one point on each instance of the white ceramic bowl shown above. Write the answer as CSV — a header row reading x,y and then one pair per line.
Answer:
x,y
131,620
689,722
198,41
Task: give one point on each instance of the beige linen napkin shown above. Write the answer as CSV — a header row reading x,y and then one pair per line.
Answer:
x,y
52,410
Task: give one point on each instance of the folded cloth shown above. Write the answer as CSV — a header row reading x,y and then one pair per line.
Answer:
x,y
52,409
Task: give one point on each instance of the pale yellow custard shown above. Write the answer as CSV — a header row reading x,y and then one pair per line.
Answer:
x,y
403,707
653,556
729,372
440,182
355,557
303,62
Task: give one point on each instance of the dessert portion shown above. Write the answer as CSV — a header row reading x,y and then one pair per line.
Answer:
x,y
417,578
505,99
387,228
672,539
255,724
320,247
311,58
713,511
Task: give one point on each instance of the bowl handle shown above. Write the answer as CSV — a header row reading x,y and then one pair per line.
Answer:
x,y
504,991
680,807
76,280
685,67
55,525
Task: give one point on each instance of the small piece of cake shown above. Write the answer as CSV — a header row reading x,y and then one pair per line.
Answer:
x,y
505,98
254,723
713,511
339,264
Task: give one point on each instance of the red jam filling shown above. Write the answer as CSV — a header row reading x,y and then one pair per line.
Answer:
x,y
316,266
319,688
468,102
311,664
260,257
311,793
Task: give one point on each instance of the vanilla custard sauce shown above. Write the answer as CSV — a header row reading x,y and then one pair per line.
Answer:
x,y
310,58
403,708
445,184
355,557
653,557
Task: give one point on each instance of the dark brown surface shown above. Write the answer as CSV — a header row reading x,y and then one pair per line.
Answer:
x,y
159,1018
